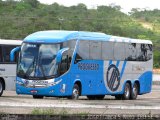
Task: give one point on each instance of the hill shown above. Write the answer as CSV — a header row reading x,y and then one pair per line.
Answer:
x,y
150,20
20,18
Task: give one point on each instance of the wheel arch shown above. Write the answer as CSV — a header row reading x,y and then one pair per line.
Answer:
x,y
78,82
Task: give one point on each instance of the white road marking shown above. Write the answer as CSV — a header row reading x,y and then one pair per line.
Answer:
x,y
57,105
69,105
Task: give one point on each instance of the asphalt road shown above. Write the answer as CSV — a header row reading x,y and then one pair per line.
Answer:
x,y
10,102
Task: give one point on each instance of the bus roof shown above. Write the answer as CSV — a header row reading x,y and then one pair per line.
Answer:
x,y
57,36
129,40
10,42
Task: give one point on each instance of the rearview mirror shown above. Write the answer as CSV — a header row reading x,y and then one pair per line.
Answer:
x,y
59,54
12,53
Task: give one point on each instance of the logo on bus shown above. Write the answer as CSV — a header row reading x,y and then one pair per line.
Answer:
x,y
113,78
88,66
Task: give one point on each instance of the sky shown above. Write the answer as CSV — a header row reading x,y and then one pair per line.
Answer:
x,y
126,5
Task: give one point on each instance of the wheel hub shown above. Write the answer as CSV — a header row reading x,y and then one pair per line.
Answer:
x,y
75,93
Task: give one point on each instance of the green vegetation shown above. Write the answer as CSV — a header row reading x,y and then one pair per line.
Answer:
x,y
150,20
54,111
20,18
37,111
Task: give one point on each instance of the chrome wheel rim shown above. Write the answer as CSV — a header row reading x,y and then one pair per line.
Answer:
x,y
127,92
134,91
75,93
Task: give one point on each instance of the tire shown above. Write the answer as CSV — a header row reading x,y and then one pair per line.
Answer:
x,y
38,97
118,97
75,92
127,92
134,92
1,87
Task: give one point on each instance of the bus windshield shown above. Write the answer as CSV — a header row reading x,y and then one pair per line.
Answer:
x,y
37,61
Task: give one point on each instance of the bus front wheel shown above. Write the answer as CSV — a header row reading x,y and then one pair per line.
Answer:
x,y
127,92
38,97
75,92
1,87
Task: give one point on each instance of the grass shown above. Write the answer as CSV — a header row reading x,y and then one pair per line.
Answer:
x,y
54,111
38,111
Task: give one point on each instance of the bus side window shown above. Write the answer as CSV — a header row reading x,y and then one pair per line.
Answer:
x,y
95,50
1,54
131,51
64,63
6,53
77,59
119,51
82,51
107,50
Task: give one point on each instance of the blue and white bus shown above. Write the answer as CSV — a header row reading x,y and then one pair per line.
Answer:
x,y
77,63
8,68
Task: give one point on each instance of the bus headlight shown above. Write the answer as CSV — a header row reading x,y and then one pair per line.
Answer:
x,y
19,83
54,83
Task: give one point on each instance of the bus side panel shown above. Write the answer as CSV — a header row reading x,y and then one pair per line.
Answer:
x,y
145,82
10,83
8,73
115,76
90,73
128,71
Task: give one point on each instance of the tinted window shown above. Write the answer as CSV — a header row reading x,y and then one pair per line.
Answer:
x,y
83,49
95,50
131,51
119,51
107,50
71,45
1,54
145,53
138,52
66,59
6,53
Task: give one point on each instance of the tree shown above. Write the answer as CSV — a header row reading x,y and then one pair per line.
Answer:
x,y
33,3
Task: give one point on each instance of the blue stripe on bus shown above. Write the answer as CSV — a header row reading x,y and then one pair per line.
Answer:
x,y
123,68
110,62
117,64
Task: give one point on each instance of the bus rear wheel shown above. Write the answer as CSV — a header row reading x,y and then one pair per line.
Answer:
x,y
1,87
127,92
38,97
134,91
